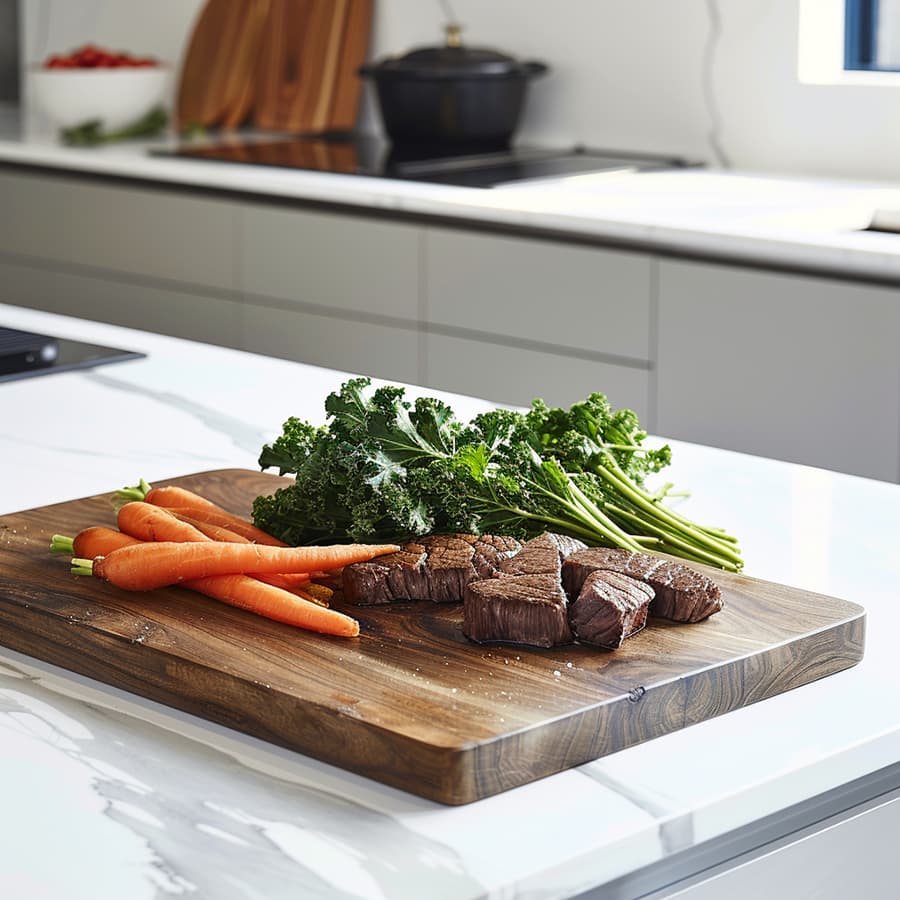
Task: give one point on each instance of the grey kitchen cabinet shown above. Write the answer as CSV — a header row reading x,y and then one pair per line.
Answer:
x,y
108,227
392,353
329,261
586,298
132,303
516,375
800,368
510,318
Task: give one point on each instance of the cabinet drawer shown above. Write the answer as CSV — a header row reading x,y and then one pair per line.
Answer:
x,y
119,228
390,353
331,260
509,375
213,320
582,297
797,368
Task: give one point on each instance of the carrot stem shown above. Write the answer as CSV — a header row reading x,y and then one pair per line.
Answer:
x,y
83,566
60,543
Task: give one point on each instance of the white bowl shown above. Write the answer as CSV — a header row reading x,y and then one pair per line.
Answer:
x,y
116,97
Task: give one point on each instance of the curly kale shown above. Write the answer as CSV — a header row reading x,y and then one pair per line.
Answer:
x,y
387,469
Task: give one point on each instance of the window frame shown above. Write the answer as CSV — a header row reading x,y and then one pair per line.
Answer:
x,y
861,37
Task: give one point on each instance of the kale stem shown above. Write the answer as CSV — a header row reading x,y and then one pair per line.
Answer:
x,y
614,476
680,547
622,538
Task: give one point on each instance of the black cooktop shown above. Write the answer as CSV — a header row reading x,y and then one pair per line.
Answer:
x,y
24,354
479,166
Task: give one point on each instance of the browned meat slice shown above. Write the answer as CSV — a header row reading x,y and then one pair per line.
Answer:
x,y
396,576
489,550
448,566
542,555
435,567
681,593
609,608
525,609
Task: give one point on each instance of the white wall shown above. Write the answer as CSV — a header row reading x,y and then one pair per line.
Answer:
x,y
625,74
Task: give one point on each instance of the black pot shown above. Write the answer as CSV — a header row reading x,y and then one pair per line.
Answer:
x,y
451,95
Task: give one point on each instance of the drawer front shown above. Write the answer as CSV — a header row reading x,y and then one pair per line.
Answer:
x,y
333,261
390,353
213,320
797,368
510,375
581,297
119,228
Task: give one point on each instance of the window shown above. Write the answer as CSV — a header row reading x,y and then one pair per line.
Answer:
x,y
872,35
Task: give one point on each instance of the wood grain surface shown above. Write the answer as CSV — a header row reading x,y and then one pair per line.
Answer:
x,y
410,702
220,64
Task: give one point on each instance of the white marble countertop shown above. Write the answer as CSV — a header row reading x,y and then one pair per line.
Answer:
x,y
139,801
809,224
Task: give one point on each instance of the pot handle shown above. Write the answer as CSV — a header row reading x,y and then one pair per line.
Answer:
x,y
533,69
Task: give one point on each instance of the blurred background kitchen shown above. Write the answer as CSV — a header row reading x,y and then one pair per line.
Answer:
x,y
717,269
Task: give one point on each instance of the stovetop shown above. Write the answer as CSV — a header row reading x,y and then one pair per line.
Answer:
x,y
463,166
24,354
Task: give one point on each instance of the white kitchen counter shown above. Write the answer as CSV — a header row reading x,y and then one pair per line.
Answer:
x,y
809,224
108,796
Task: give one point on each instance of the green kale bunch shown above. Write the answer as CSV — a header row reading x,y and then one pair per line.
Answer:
x,y
386,469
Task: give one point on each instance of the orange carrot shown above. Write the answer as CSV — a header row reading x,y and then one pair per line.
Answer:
x,y
147,566
147,522
152,523
275,603
190,504
90,542
240,591
210,529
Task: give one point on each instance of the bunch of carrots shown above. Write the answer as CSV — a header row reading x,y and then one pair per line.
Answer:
x,y
172,536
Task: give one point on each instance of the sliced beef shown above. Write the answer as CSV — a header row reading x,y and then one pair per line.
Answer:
x,y
542,555
522,609
448,566
489,551
609,608
435,567
396,576
681,593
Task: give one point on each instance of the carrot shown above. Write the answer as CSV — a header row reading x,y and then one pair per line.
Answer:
x,y
156,523
240,591
190,504
90,542
210,529
148,566
147,522
274,603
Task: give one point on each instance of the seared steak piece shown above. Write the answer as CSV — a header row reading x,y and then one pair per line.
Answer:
x,y
396,576
609,608
521,609
489,550
435,567
681,593
542,555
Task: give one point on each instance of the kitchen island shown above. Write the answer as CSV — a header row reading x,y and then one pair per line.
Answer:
x,y
138,800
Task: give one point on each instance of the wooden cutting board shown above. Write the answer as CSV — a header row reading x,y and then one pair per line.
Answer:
x,y
307,82
218,74
410,703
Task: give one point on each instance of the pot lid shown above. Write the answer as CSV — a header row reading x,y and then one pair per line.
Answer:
x,y
453,60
